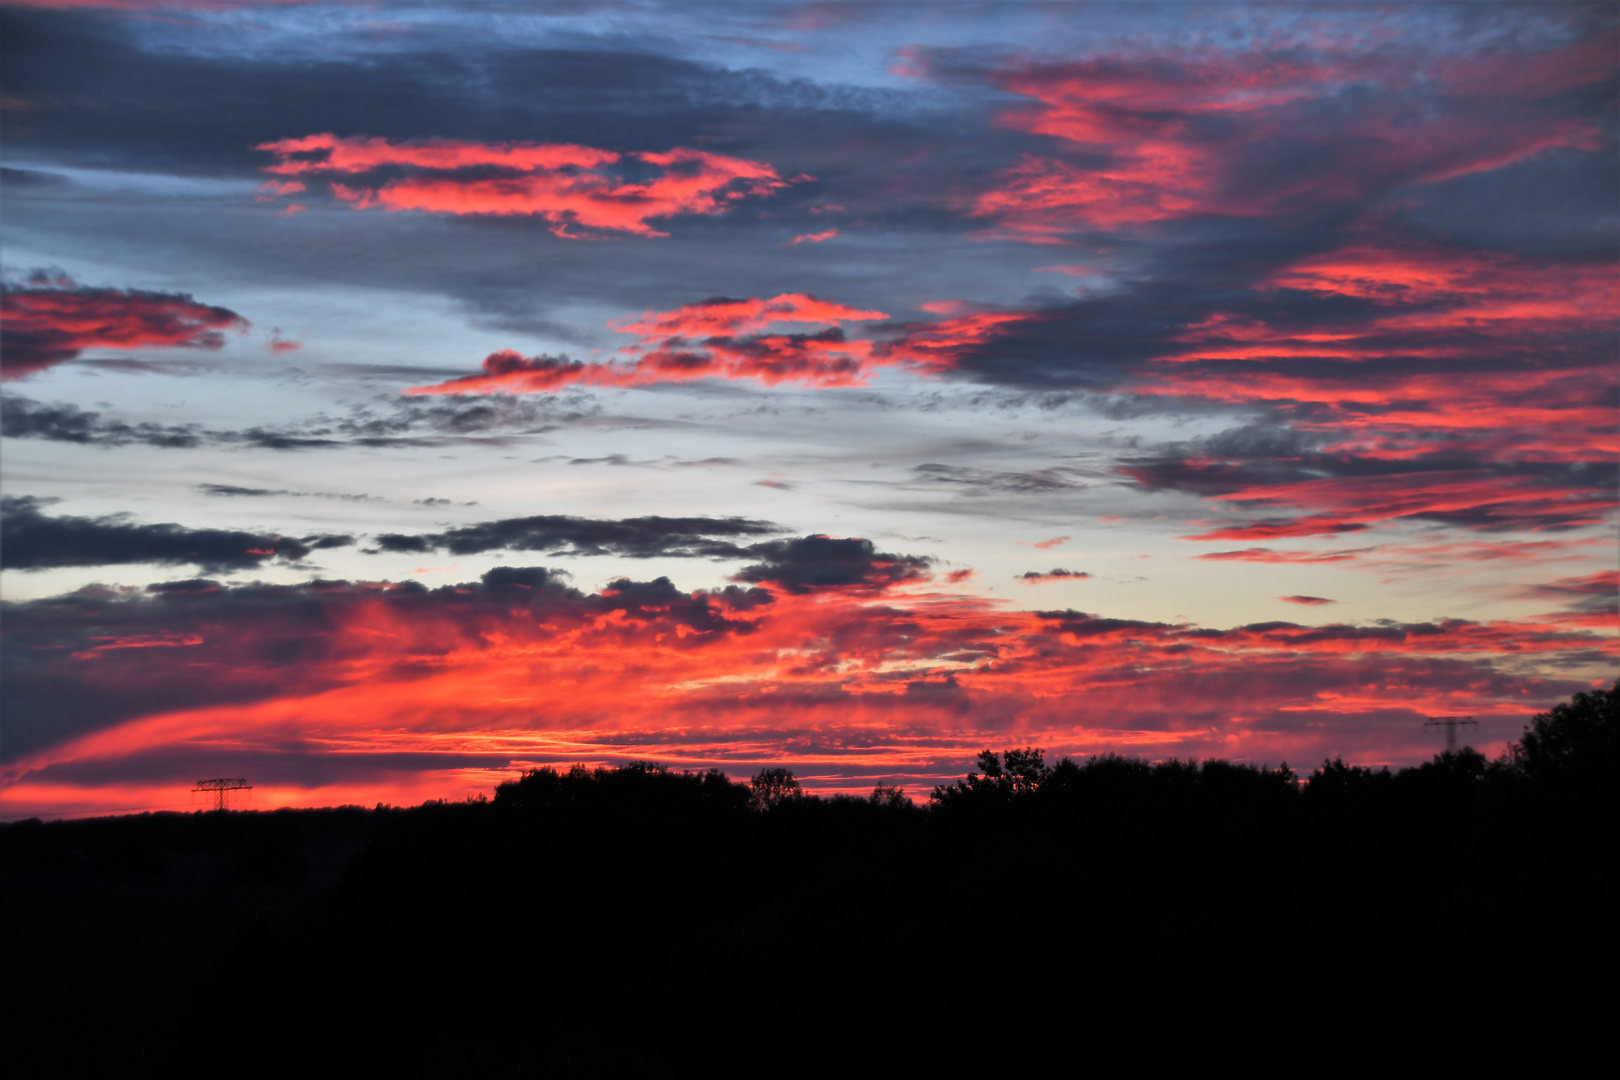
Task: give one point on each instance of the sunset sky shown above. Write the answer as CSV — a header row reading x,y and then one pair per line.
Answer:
x,y
402,395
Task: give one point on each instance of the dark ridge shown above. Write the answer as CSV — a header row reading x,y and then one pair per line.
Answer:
x,y
638,921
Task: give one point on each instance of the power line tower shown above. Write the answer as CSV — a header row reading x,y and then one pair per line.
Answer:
x,y
1451,724
220,787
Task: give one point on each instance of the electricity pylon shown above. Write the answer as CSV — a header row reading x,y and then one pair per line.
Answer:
x,y
220,787
1451,724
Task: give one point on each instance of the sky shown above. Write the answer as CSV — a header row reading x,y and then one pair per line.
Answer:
x,y
399,396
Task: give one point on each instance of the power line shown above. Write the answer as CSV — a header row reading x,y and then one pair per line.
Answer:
x,y
1451,724
220,787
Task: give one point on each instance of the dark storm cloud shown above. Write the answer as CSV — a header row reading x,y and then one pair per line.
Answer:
x,y
808,563
636,538
97,90
30,540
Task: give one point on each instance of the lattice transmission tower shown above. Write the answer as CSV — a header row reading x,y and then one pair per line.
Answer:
x,y
1451,724
221,788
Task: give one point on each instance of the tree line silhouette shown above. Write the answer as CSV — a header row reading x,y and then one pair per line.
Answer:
x,y
641,921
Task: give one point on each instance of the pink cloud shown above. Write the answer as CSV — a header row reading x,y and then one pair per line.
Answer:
x,y
894,676
1146,136
45,326
575,188
719,338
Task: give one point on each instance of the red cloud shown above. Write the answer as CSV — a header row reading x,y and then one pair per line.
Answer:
x,y
813,238
401,688
938,347
1472,288
43,327
1311,601
716,338
1478,499
1446,308
508,372
723,316
1164,135
1433,348
572,187
1495,371
1039,199
1592,601
1458,497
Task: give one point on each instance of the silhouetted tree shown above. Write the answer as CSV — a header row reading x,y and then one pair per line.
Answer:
x,y
772,787
1024,769
888,795
1339,791
1577,741
1014,772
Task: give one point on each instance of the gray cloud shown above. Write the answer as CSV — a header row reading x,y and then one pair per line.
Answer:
x,y
637,538
30,540
808,563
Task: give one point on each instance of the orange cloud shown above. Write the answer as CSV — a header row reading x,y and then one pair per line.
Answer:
x,y
383,685
1154,136
724,316
716,338
1460,497
572,187
1437,383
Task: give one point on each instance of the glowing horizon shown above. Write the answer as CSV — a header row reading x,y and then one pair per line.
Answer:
x,y
732,387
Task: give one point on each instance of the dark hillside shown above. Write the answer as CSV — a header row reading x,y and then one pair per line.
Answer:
x,y
115,927
637,921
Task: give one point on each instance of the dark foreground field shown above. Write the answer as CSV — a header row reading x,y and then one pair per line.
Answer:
x,y
640,922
